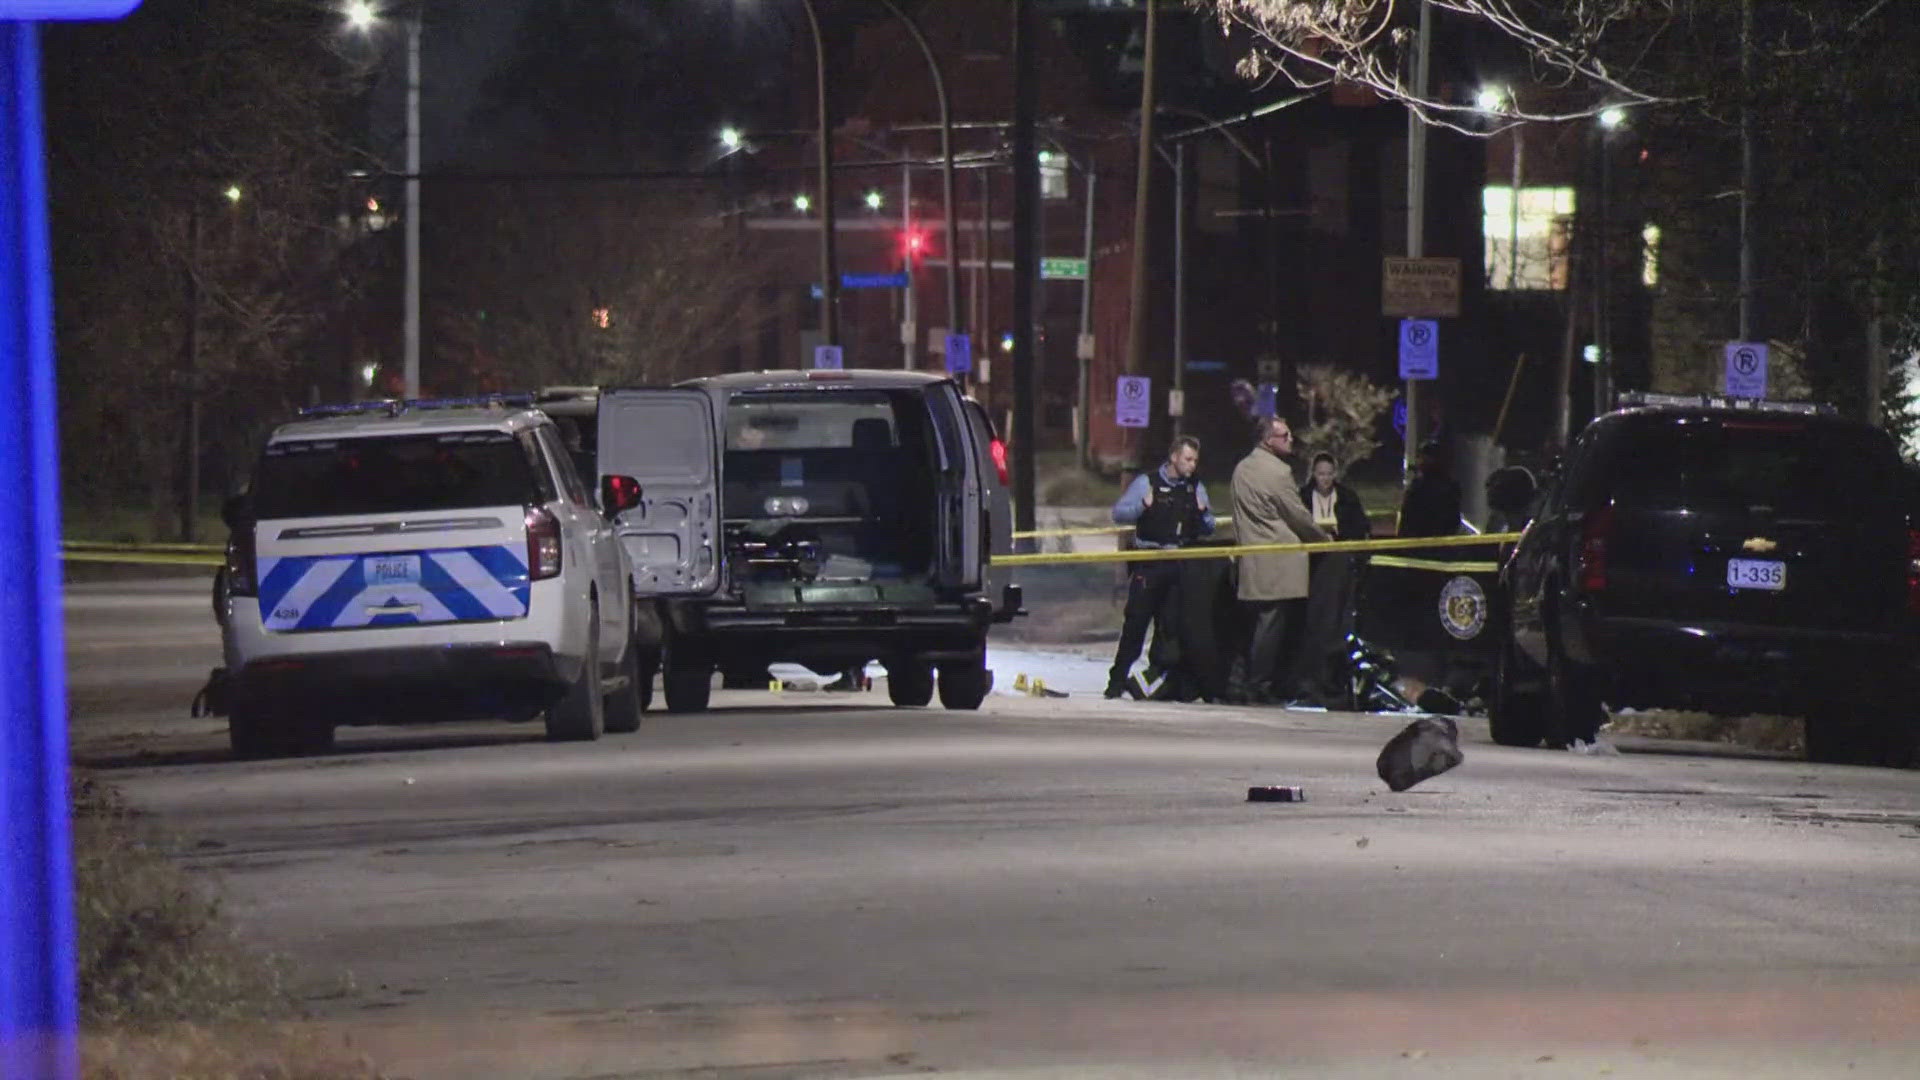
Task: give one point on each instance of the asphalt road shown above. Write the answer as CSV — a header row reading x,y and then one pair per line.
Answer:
x,y
819,885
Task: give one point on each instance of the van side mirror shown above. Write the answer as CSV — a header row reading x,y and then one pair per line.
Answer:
x,y
1511,490
618,494
237,511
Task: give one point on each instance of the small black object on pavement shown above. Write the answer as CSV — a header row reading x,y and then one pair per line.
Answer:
x,y
1425,748
1276,794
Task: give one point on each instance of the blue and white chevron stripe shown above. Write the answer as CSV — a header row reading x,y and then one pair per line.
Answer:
x,y
327,592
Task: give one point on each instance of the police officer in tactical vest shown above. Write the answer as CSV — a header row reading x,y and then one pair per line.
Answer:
x,y
1167,508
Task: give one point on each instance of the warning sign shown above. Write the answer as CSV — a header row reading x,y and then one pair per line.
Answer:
x,y
1427,288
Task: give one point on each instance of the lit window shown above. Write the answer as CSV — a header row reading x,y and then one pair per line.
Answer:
x,y
1526,241
1053,175
602,317
1650,256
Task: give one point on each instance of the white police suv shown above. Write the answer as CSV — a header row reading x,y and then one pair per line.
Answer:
x,y
400,562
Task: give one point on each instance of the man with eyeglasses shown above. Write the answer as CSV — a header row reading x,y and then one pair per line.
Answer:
x,y
1267,510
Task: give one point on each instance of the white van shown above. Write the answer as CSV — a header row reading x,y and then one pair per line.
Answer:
x,y
826,518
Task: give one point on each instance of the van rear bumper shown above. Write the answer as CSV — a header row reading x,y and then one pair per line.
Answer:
x,y
949,631
1742,667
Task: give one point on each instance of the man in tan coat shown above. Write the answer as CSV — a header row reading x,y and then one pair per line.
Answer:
x,y
1267,510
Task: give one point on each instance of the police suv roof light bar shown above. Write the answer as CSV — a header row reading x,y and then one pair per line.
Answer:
x,y
1631,399
396,406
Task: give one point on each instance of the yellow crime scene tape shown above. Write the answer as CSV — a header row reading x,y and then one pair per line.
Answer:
x,y
1060,558
208,555
146,558
1110,530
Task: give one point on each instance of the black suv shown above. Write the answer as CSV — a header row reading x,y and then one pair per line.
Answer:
x,y
1717,554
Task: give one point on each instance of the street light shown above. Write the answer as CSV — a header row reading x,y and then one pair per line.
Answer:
x,y
1612,117
363,17
730,137
875,200
802,203
1491,99
360,15
233,193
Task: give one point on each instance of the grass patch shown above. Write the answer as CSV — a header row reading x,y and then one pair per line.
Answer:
x,y
1778,733
166,991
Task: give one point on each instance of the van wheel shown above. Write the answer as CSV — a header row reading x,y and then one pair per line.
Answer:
x,y
1513,715
688,689
624,706
580,714
688,681
910,683
964,686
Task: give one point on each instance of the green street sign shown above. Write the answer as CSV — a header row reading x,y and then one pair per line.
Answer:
x,y
1063,269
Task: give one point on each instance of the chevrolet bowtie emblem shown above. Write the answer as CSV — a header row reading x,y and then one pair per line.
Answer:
x,y
1758,543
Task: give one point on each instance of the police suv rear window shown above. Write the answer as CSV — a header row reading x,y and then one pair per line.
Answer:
x,y
393,474
1792,467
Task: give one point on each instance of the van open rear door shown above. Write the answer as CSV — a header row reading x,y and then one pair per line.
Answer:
x,y
667,440
961,547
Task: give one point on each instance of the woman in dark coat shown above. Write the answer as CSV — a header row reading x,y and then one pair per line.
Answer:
x,y
1337,509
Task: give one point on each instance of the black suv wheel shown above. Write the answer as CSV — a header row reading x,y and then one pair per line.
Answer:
x,y
1515,714
910,683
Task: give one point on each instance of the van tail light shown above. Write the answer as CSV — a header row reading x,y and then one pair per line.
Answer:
x,y
999,451
1596,531
1913,571
241,580
543,544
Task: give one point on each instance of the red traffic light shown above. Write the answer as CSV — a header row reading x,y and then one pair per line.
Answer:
x,y
913,244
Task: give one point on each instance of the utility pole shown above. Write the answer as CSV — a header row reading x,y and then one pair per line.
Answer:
x,y
1746,170
1142,198
1083,357
908,259
1026,264
829,279
190,496
411,346
1180,281
1417,211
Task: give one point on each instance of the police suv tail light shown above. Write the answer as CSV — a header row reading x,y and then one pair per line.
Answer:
x,y
1913,571
240,568
998,450
543,544
1590,570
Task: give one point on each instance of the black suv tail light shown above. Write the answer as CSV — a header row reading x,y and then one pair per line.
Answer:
x,y
998,451
1913,571
240,565
1590,569
543,544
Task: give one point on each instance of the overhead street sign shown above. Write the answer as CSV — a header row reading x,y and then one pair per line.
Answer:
x,y
1420,288
1063,269
874,281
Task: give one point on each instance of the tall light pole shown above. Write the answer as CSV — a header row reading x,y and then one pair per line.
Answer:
x,y
1603,371
829,276
363,17
954,320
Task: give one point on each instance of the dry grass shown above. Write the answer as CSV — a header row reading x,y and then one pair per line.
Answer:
x,y
1780,733
165,989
